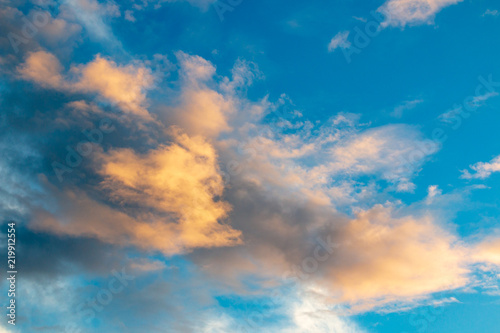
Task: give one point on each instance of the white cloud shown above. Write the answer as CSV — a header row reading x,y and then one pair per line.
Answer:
x,y
339,40
478,101
454,115
451,116
325,162
361,19
490,12
482,169
412,12
432,192
407,105
94,16
310,313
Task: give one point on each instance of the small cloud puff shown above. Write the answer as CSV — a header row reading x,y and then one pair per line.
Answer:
x,y
339,40
490,12
482,169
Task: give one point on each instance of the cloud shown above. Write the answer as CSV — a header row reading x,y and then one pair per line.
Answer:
x,y
455,114
433,191
94,17
182,179
376,150
144,265
60,31
173,190
325,162
384,258
202,110
381,258
205,106
43,68
339,40
450,116
5,330
482,169
123,85
168,194
361,19
478,101
407,105
129,16
393,152
490,12
157,4
311,314
488,251
412,12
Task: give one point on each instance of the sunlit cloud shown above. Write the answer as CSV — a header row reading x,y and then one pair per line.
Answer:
x,y
482,170
124,85
412,12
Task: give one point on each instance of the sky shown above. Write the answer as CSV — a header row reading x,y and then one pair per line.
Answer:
x,y
251,166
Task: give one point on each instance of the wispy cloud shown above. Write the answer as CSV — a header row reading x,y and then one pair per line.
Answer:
x,y
473,103
94,16
491,12
405,106
339,40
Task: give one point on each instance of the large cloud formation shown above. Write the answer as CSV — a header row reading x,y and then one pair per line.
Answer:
x,y
253,202
171,197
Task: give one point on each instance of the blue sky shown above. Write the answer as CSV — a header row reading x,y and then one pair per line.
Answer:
x,y
252,166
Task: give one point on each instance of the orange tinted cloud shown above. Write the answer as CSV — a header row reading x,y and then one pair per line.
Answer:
x,y
180,179
174,193
204,106
124,85
488,251
43,68
382,257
